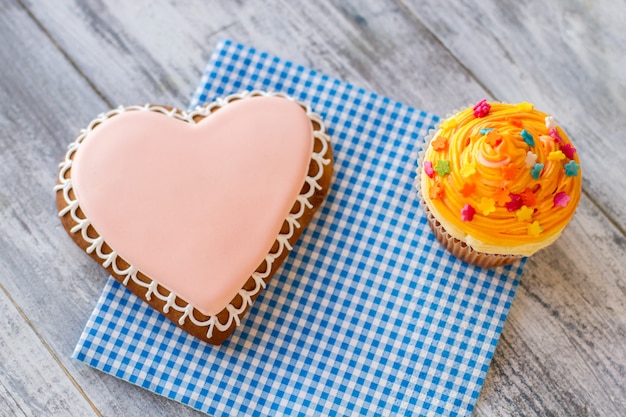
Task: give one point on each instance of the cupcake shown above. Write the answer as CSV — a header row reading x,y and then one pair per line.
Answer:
x,y
498,182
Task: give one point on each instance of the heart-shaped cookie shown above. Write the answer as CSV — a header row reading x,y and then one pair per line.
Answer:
x,y
194,212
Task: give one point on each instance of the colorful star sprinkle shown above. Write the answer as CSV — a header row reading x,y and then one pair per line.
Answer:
x,y
481,109
515,203
487,205
468,189
501,196
485,130
467,213
524,213
561,199
436,191
510,172
448,124
571,169
467,170
536,171
535,228
442,167
531,159
525,106
556,156
568,150
440,144
550,122
528,197
555,134
514,122
428,169
494,138
528,138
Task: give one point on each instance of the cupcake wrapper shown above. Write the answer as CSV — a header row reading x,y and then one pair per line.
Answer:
x,y
458,248
465,252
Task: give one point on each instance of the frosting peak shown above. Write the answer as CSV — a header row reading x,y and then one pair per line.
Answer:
x,y
513,181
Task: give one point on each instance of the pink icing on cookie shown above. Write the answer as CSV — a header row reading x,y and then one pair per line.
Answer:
x,y
195,207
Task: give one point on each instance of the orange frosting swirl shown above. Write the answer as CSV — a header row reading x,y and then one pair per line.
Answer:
x,y
506,181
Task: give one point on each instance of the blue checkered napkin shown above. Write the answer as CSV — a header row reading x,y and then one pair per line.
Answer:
x,y
367,316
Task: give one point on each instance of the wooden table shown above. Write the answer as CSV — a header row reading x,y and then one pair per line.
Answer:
x,y
563,349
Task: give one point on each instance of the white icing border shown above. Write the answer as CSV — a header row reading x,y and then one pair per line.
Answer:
x,y
152,287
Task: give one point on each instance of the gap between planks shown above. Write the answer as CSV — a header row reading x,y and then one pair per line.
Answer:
x,y
65,55
50,351
410,12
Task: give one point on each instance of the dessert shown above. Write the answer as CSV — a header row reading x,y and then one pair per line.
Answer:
x,y
498,182
195,211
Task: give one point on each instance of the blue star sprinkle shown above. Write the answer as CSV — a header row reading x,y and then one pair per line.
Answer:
x,y
536,171
528,138
571,169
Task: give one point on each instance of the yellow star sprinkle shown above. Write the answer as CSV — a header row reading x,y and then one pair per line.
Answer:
x,y
486,205
525,107
524,213
556,156
468,170
534,228
448,124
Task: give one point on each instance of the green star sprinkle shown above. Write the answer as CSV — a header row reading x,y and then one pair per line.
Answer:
x,y
442,167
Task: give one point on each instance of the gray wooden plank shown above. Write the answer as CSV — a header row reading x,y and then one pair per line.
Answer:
x,y
118,71
566,57
44,102
27,388
563,347
9,405
155,51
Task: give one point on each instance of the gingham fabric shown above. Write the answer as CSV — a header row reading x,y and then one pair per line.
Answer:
x,y
367,316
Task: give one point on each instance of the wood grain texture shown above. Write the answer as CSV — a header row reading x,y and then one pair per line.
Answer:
x,y
562,350
567,57
156,50
563,347
44,104
44,389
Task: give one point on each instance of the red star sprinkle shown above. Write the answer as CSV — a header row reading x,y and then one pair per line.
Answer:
x,y
481,109
561,199
467,213
502,196
514,122
428,169
568,150
528,198
510,172
468,189
553,132
515,203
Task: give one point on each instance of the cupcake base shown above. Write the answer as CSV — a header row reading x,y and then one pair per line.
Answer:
x,y
457,247
465,252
